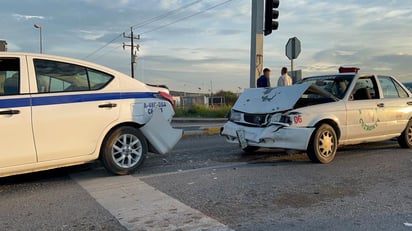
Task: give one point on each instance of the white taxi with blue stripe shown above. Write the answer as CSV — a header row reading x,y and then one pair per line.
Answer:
x,y
56,112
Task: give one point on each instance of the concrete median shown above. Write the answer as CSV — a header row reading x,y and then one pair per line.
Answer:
x,y
199,126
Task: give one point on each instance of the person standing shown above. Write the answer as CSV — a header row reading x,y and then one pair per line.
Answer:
x,y
264,80
284,79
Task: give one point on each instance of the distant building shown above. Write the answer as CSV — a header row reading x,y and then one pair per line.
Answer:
x,y
188,99
3,45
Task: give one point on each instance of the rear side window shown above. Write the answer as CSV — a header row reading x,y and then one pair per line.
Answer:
x,y
54,76
391,89
98,79
401,91
9,76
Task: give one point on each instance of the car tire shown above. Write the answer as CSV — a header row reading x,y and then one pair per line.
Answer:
x,y
405,139
124,150
323,145
250,149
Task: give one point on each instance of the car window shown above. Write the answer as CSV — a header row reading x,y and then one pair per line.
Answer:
x,y
98,79
401,91
391,89
54,76
365,88
408,85
337,85
9,76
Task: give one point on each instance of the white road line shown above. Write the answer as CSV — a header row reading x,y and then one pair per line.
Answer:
x,y
218,166
138,206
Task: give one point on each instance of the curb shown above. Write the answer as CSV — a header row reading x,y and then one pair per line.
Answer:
x,y
202,132
195,120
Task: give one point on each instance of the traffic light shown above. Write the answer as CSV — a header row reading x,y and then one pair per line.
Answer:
x,y
271,14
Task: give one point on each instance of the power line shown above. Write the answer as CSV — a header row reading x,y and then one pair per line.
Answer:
x,y
157,18
107,52
169,13
186,17
105,45
144,23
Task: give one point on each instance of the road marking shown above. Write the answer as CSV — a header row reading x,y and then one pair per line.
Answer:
x,y
139,206
218,166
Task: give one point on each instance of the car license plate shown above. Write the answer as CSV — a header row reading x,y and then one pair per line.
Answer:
x,y
241,138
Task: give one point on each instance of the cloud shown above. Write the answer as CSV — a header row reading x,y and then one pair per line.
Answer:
x,y
320,68
394,64
214,44
90,35
397,13
340,55
108,3
27,17
369,60
169,4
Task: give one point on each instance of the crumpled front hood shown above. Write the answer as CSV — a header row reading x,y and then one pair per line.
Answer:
x,y
270,100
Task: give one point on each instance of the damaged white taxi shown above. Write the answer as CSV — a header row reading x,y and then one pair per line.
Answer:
x,y
322,112
56,112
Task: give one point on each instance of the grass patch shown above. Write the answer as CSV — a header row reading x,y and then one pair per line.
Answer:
x,y
201,111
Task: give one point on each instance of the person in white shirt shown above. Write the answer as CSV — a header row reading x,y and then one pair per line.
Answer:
x,y
284,79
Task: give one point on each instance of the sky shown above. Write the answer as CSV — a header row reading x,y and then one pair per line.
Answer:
x,y
204,45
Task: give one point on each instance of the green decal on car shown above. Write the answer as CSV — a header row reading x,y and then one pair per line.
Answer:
x,y
365,126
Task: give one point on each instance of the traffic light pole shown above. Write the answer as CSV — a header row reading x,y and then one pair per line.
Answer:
x,y
256,46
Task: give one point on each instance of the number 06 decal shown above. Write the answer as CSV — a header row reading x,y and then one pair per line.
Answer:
x,y
297,119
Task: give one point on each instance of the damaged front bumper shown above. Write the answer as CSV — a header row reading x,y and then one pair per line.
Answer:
x,y
273,136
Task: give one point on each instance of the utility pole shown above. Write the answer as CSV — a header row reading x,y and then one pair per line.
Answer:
x,y
133,49
211,93
256,46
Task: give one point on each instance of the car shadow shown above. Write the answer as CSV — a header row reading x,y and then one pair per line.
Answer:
x,y
274,156
58,174
264,156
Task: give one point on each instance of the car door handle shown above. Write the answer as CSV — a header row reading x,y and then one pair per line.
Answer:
x,y
108,105
381,105
10,112
409,103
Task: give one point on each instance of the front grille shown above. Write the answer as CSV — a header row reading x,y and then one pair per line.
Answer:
x,y
255,119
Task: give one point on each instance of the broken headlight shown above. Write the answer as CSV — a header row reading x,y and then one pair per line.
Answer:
x,y
235,115
279,118
275,118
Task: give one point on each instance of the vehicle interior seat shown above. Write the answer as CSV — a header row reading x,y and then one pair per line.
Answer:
x,y
11,85
2,79
361,94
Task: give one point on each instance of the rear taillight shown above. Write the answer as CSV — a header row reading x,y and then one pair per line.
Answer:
x,y
167,97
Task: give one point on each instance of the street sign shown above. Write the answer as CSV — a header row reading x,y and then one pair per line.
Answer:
x,y
293,48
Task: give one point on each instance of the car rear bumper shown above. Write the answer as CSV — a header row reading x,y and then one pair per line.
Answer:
x,y
274,136
160,133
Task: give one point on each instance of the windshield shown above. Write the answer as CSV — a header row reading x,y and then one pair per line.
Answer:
x,y
337,85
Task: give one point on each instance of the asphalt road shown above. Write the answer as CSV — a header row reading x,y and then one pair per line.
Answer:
x,y
51,200
367,187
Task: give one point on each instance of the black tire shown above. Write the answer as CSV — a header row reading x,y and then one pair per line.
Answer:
x,y
123,150
323,145
405,139
250,149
